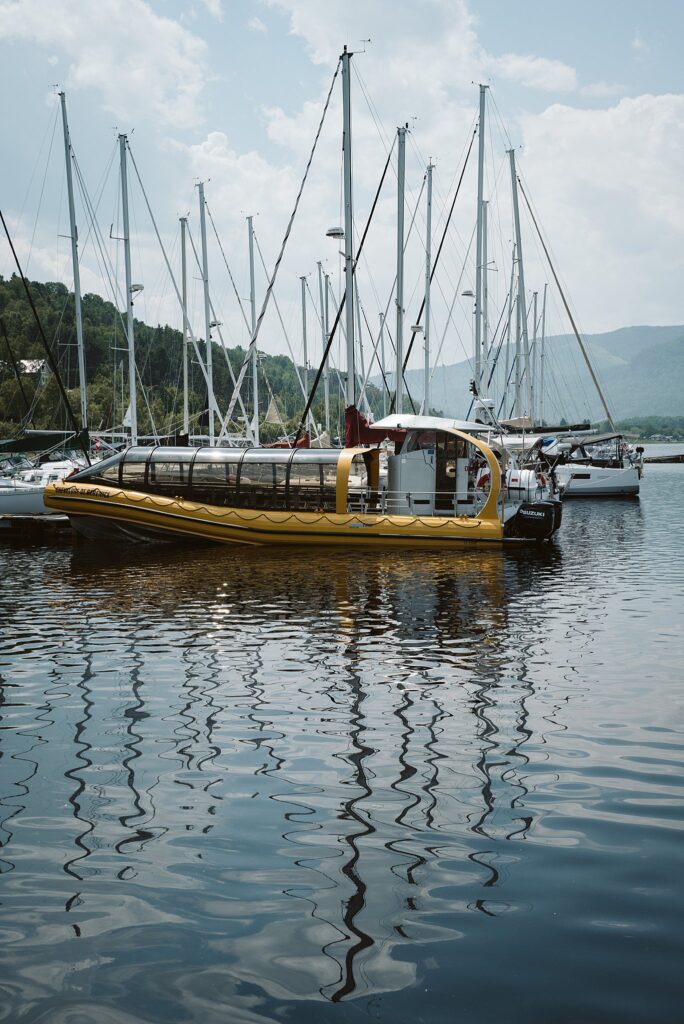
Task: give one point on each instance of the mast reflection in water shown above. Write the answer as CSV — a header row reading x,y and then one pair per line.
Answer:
x,y
242,785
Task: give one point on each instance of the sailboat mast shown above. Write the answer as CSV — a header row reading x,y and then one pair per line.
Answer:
x,y
428,274
521,278
541,358
184,286
401,171
252,304
518,360
382,364
207,312
485,295
306,357
74,261
324,338
506,385
348,229
360,334
478,256
133,408
533,377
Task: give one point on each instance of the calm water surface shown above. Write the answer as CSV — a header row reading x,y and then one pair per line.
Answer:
x,y
251,786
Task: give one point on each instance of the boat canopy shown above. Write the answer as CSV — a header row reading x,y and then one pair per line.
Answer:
x,y
399,421
42,440
275,478
590,439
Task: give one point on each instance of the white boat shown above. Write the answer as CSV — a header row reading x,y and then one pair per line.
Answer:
x,y
596,467
22,494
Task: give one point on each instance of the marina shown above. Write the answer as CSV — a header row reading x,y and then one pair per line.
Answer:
x,y
341,513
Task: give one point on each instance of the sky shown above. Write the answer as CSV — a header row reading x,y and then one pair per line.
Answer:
x,y
230,92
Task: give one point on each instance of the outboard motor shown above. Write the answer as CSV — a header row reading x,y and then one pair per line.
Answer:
x,y
534,520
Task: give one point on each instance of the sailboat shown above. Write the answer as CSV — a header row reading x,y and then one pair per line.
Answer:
x,y
595,466
21,493
573,464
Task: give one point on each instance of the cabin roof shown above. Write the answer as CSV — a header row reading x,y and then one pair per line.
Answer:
x,y
409,421
589,439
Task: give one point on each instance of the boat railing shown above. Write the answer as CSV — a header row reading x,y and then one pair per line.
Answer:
x,y
433,503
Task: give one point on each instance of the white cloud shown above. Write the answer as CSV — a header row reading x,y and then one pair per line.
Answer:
x,y
640,46
256,25
143,64
215,8
609,185
534,72
603,90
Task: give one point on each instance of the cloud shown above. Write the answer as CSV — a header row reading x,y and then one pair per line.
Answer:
x,y
608,185
256,25
603,90
640,46
533,72
215,9
142,64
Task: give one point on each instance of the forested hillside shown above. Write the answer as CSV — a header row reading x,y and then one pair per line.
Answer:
x,y
29,394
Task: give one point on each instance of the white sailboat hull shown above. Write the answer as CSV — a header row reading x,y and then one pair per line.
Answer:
x,y
597,481
22,500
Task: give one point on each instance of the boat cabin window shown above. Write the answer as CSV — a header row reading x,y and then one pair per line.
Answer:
x,y
168,470
258,478
263,479
107,471
133,468
215,474
420,439
313,479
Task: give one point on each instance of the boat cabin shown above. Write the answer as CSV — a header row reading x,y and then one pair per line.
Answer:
x,y
304,479
431,473
434,472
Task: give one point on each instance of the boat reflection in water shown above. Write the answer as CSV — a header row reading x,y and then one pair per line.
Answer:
x,y
303,803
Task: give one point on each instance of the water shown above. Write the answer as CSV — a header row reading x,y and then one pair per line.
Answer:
x,y
321,787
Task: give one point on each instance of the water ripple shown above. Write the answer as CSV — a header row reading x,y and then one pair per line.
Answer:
x,y
248,786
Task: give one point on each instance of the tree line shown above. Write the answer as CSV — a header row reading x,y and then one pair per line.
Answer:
x,y
29,395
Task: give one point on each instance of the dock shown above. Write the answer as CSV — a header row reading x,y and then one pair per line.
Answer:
x,y
35,529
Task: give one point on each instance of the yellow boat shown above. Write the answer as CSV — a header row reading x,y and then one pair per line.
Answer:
x,y
443,486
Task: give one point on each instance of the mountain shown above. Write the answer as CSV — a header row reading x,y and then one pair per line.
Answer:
x,y
640,370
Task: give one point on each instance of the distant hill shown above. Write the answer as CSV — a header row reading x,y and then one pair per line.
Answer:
x,y
640,369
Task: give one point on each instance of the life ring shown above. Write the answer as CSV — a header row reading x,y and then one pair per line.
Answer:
x,y
451,470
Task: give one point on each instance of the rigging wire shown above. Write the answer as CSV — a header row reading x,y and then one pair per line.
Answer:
x,y
436,260
271,284
319,374
374,355
81,434
191,334
224,427
42,188
568,311
287,339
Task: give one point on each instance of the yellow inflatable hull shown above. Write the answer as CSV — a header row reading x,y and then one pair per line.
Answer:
x,y
153,515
